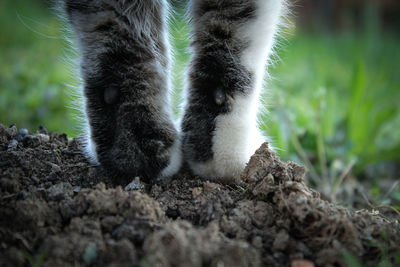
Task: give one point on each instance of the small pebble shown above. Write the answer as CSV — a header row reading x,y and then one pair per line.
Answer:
x,y
23,132
44,138
76,189
134,185
301,200
55,168
59,191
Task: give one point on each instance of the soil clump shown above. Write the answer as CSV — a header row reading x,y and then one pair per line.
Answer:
x,y
58,210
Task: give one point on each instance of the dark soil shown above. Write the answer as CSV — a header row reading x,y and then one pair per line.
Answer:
x,y
58,210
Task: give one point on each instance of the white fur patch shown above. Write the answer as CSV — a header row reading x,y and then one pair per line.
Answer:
x,y
261,33
175,161
235,139
90,147
90,152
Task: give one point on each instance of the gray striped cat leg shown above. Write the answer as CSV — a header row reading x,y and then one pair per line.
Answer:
x,y
125,70
232,40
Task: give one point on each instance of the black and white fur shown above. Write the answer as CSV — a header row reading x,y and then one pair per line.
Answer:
x,y
125,69
232,40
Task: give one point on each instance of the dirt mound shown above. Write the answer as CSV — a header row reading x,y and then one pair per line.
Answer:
x,y
57,210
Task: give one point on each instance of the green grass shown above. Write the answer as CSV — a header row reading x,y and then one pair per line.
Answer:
x,y
338,95
33,72
332,100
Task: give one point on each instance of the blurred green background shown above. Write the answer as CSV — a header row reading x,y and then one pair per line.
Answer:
x,y
333,96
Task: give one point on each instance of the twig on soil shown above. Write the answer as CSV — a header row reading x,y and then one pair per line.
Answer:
x,y
23,241
366,200
237,188
343,175
389,207
379,207
393,187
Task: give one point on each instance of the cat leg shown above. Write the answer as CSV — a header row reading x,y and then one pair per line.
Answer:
x,y
232,40
125,71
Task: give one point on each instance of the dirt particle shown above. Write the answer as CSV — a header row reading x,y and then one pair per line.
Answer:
x,y
210,187
197,192
281,240
134,185
54,167
43,138
76,189
11,132
60,191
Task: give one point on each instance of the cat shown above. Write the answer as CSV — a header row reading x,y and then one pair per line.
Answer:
x,y
125,68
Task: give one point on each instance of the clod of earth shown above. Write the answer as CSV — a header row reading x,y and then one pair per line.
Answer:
x,y
58,210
